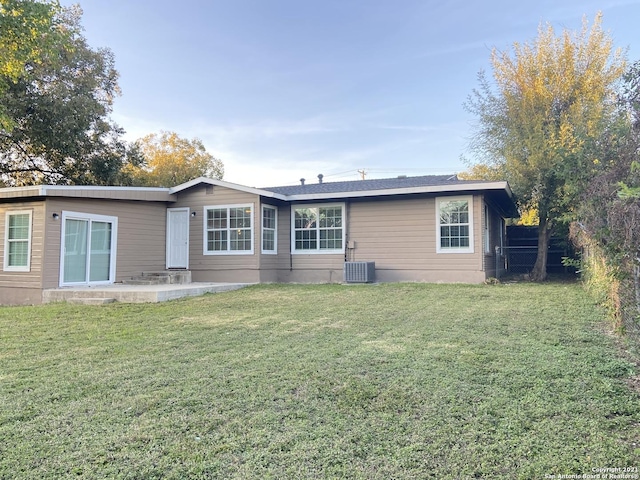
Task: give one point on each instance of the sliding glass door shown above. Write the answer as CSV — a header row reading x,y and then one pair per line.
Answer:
x,y
76,233
100,252
88,249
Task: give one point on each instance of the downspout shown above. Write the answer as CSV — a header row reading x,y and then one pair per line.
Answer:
x,y
257,237
347,251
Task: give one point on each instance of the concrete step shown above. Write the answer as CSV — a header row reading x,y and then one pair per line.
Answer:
x,y
168,277
147,281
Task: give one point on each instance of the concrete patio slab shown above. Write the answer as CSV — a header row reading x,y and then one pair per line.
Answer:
x,y
135,293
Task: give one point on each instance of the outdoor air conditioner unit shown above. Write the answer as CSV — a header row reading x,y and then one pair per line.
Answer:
x,y
359,272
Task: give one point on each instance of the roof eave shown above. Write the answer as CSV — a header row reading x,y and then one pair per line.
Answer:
x,y
88,191
98,188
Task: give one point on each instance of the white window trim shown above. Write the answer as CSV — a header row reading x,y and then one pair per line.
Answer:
x,y
318,251
205,239
114,245
275,231
469,249
19,268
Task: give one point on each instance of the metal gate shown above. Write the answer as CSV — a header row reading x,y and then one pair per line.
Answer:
x,y
519,256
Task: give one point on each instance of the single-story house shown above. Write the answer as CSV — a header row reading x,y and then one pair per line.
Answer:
x,y
433,228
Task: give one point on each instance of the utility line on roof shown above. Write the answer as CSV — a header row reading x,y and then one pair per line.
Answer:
x,y
393,171
340,173
360,173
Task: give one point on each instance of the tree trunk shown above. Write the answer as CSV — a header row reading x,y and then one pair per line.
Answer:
x,y
539,272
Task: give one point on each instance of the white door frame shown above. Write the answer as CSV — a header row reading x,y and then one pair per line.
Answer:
x,y
171,247
89,217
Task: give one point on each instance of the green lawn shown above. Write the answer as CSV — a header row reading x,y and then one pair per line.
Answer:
x,y
366,381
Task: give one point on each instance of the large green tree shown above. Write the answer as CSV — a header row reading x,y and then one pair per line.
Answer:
x,y
28,30
168,160
541,118
57,107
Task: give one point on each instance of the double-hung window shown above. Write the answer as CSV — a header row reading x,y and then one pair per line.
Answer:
x,y
454,224
17,245
228,229
318,228
269,229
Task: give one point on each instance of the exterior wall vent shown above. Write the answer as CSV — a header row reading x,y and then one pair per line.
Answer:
x,y
359,272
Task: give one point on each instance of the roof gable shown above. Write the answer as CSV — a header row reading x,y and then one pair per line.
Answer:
x,y
222,183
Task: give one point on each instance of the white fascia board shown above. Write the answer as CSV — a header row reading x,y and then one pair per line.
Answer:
x,y
35,190
190,183
222,183
50,189
58,190
87,191
404,191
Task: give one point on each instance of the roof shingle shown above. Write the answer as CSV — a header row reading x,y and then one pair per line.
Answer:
x,y
366,185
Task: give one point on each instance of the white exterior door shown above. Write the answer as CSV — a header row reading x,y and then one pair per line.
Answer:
x,y
178,238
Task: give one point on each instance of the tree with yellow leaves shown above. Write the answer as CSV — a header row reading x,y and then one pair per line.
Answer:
x,y
483,171
540,120
169,160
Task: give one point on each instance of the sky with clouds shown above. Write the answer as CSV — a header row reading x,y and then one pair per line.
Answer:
x,y
286,89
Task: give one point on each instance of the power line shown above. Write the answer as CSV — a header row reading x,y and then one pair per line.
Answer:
x,y
364,173
340,173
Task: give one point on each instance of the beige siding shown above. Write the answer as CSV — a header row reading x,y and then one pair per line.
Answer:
x,y
400,236
281,268
304,267
20,296
13,284
284,239
315,268
270,263
140,242
220,268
